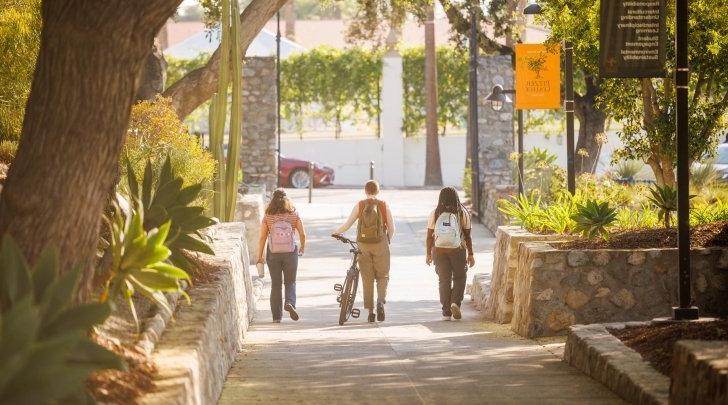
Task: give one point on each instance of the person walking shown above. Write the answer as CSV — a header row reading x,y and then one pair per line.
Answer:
x,y
278,228
448,241
375,230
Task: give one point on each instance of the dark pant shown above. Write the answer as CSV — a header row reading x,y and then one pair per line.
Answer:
x,y
282,268
451,267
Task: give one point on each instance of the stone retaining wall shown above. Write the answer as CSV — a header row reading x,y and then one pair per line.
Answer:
x,y
699,373
492,217
197,349
554,289
499,303
597,353
250,210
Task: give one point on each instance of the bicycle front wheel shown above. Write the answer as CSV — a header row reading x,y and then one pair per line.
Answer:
x,y
347,301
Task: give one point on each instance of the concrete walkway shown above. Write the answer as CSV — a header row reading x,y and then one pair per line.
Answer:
x,y
411,358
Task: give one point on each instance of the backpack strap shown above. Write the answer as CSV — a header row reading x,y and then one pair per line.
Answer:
x,y
383,213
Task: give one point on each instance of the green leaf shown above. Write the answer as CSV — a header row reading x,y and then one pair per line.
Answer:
x,y
132,180
165,175
188,194
78,318
45,272
147,185
15,279
155,281
192,244
166,195
170,271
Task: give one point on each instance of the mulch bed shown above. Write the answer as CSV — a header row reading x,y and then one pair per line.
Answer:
x,y
708,235
122,387
655,342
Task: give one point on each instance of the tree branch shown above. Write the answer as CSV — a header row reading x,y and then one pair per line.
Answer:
x,y
199,85
461,24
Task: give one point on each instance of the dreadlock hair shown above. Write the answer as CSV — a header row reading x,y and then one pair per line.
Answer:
x,y
279,204
449,201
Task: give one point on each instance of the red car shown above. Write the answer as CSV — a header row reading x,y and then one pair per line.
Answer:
x,y
294,173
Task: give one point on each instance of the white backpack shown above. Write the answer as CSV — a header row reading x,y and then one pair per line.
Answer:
x,y
281,238
448,233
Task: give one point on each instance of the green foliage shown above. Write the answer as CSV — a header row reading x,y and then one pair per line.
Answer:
x,y
541,173
627,169
593,218
452,88
139,259
665,199
468,181
557,216
646,107
704,175
20,24
45,351
523,210
8,149
178,68
167,201
156,133
705,213
332,85
643,217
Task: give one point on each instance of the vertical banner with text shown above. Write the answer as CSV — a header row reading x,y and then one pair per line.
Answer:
x,y
632,38
538,77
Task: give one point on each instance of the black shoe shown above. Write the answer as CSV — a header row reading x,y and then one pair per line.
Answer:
x,y
380,312
291,311
372,317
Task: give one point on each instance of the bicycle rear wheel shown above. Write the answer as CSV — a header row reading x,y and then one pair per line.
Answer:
x,y
346,300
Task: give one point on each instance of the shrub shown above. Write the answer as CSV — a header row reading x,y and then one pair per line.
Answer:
x,y
139,259
170,202
541,174
627,169
703,176
154,133
705,213
557,216
637,218
593,218
468,181
523,210
8,149
45,350
665,199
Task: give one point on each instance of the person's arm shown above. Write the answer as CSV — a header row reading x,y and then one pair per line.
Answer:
x,y
349,222
430,238
391,229
261,242
301,236
469,241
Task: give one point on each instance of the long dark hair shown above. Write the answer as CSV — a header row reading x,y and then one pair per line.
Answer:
x,y
280,204
449,201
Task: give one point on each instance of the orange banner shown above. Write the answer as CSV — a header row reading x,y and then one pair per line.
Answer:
x,y
538,77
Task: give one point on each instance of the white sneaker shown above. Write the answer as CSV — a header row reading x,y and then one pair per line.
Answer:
x,y
445,318
455,309
276,321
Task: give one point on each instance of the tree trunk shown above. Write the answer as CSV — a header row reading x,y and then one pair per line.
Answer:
x,y
592,121
199,85
85,80
153,76
433,171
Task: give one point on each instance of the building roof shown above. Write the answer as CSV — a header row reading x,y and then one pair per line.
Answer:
x,y
205,41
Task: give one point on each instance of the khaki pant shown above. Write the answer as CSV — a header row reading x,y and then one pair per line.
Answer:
x,y
374,265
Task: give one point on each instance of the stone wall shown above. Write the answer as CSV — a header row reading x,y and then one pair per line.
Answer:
x,y
699,373
492,217
499,304
258,152
495,128
554,289
196,352
250,210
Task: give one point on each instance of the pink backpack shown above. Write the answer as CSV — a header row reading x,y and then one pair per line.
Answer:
x,y
281,238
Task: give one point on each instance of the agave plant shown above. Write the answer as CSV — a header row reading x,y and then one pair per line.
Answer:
x,y
665,199
170,202
45,351
704,175
626,170
139,260
593,218
523,210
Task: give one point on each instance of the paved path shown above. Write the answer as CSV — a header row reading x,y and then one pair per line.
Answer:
x,y
411,358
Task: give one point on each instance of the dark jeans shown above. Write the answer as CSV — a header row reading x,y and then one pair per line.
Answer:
x,y
282,268
451,267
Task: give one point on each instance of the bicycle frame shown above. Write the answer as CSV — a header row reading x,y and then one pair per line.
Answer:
x,y
347,291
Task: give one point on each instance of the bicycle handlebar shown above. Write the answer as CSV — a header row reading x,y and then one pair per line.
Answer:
x,y
343,239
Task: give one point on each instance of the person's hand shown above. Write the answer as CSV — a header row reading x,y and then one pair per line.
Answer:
x,y
301,250
428,259
261,259
471,261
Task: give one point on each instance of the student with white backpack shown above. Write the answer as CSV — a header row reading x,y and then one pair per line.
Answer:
x,y
280,224
448,242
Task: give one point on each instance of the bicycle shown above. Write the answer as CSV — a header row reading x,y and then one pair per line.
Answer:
x,y
347,291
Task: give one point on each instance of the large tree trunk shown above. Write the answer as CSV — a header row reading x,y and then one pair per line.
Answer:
x,y
433,171
85,81
592,121
200,84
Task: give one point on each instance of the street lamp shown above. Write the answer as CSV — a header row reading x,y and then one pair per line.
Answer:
x,y
534,9
497,98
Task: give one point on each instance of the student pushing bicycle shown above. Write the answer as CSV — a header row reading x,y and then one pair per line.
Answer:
x,y
375,230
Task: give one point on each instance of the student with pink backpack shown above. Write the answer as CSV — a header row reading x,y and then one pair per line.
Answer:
x,y
280,224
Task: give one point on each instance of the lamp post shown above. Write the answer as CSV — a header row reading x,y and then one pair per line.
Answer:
x,y
497,98
685,311
278,97
473,107
534,9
